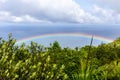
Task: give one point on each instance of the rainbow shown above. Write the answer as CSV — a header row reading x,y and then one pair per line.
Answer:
x,y
66,35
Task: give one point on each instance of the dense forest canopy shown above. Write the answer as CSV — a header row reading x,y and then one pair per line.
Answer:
x,y
36,62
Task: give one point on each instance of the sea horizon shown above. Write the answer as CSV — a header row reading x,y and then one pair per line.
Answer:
x,y
24,31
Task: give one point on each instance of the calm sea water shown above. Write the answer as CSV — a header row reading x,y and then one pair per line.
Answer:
x,y
21,31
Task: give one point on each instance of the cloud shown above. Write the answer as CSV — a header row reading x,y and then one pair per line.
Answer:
x,y
5,16
109,2
8,17
49,10
113,4
106,15
103,14
27,18
54,11
1,2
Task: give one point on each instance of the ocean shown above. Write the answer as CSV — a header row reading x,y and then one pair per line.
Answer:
x,y
68,35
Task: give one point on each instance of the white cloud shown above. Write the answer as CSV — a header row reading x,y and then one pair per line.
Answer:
x,y
49,10
5,16
27,18
109,2
106,15
113,4
8,17
55,11
2,1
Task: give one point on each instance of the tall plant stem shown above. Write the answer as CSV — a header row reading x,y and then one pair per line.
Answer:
x,y
87,60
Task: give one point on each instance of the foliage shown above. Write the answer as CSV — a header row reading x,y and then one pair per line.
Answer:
x,y
36,62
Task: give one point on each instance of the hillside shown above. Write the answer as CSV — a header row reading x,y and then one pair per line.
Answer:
x,y
36,62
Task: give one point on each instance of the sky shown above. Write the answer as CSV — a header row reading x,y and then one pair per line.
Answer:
x,y
28,18
60,11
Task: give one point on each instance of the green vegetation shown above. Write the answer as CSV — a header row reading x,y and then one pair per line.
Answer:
x,y
36,62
